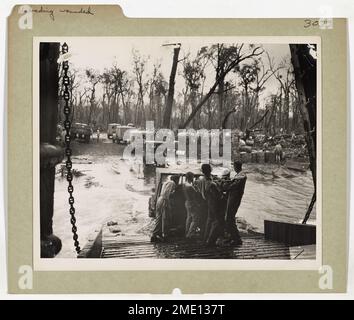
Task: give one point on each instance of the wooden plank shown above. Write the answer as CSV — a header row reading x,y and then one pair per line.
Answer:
x,y
139,246
303,252
185,250
93,249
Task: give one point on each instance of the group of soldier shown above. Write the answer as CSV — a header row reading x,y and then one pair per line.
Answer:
x,y
211,204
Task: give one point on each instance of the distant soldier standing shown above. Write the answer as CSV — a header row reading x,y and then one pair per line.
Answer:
x,y
278,151
98,135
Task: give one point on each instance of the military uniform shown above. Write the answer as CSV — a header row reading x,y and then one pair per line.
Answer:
x,y
192,207
214,223
234,190
163,209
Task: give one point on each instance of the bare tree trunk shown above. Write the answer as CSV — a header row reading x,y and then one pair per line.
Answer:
x,y
200,104
280,115
270,122
193,99
117,110
286,109
221,89
124,108
306,87
305,79
171,89
209,114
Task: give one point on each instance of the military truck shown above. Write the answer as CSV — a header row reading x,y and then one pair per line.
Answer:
x,y
81,131
119,135
111,129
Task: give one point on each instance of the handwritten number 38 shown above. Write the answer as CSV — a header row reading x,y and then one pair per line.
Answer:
x,y
311,23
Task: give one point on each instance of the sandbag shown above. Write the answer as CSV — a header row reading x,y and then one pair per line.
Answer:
x,y
269,157
245,157
260,157
254,156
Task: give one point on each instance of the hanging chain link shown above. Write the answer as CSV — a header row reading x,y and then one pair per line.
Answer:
x,y
68,151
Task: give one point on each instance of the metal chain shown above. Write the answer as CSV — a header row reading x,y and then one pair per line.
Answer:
x,y
68,151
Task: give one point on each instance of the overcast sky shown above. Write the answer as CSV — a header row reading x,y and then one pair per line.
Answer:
x,y
101,53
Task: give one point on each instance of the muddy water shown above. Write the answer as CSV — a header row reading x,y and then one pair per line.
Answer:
x,y
112,190
276,194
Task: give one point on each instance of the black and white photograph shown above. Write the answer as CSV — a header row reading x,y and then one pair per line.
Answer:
x,y
191,150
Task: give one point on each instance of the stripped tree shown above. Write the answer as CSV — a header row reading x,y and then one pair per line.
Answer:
x,y
231,58
303,58
171,85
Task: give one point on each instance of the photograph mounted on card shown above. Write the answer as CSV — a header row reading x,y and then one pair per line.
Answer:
x,y
176,149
